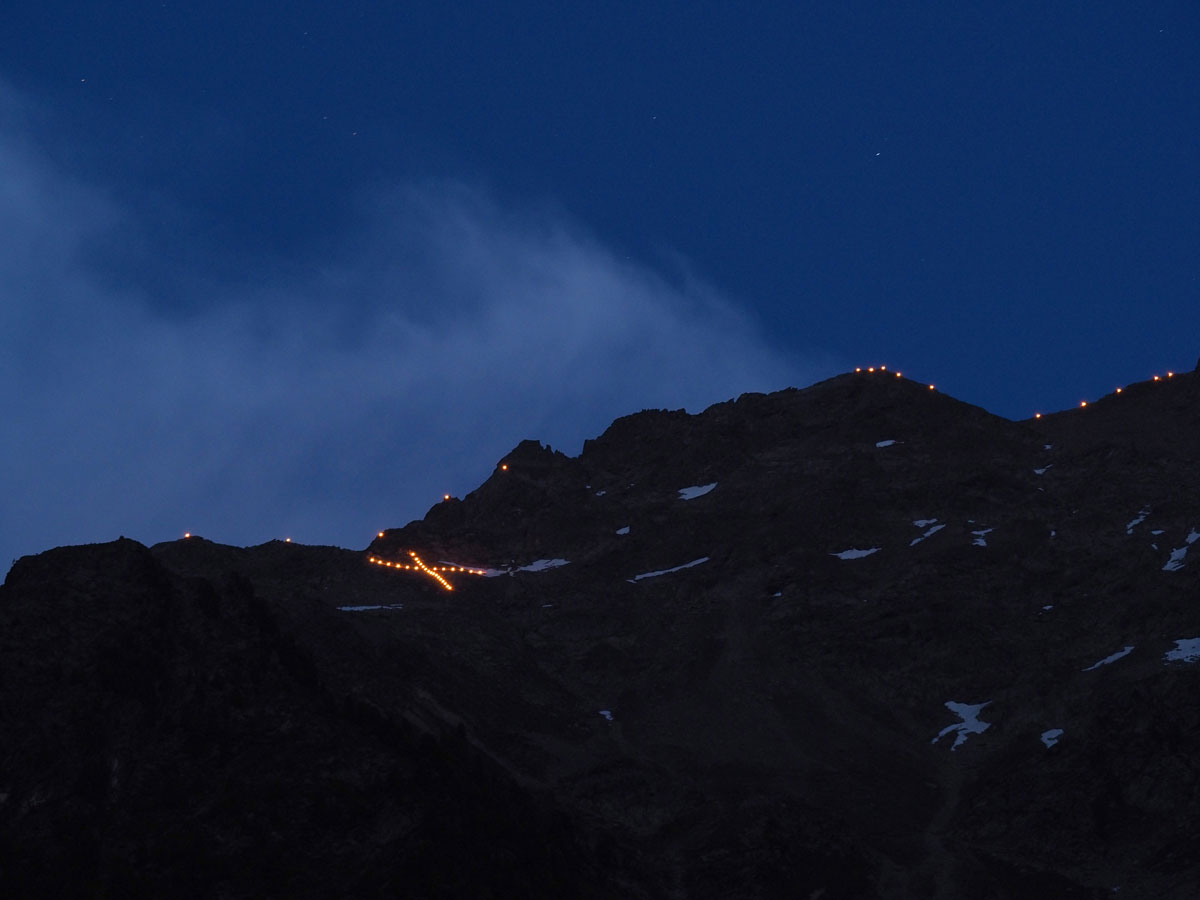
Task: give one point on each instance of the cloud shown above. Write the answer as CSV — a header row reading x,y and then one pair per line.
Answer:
x,y
327,404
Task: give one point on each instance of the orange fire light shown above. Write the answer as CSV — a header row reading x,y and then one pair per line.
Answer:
x,y
420,566
428,571
187,534
1082,404
1037,415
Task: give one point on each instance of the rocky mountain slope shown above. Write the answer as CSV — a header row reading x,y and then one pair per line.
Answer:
x,y
857,640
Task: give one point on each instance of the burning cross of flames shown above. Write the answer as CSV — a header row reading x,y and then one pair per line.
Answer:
x,y
418,565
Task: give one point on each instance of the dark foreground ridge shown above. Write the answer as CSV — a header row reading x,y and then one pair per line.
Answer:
x,y
857,640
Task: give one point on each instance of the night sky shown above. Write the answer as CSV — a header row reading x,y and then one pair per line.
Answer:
x,y
296,269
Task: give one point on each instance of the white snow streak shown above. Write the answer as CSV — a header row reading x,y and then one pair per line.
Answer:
x,y
697,490
980,540
1110,659
884,443
932,531
624,530
540,565
694,562
364,608
855,554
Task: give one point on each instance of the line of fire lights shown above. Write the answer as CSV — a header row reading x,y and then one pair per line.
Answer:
x,y
433,571
1082,403
418,565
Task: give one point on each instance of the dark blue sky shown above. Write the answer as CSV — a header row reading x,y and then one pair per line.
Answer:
x,y
298,267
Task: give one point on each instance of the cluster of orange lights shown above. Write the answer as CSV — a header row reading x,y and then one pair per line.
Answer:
x,y
1083,403
418,565
873,369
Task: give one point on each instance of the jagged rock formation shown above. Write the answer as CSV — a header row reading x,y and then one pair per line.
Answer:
x,y
858,640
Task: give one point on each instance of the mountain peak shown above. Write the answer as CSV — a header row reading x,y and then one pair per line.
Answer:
x,y
859,640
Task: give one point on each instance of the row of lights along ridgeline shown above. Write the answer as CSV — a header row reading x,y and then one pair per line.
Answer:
x,y
434,571
873,369
1082,403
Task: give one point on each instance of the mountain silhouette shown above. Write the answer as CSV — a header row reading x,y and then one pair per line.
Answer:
x,y
860,640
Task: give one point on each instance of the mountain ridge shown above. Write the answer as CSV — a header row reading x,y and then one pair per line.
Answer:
x,y
741,690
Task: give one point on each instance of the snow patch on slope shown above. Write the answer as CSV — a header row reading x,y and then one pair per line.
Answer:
x,y
1186,650
1050,738
1134,523
1175,563
855,554
970,724
538,565
696,490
